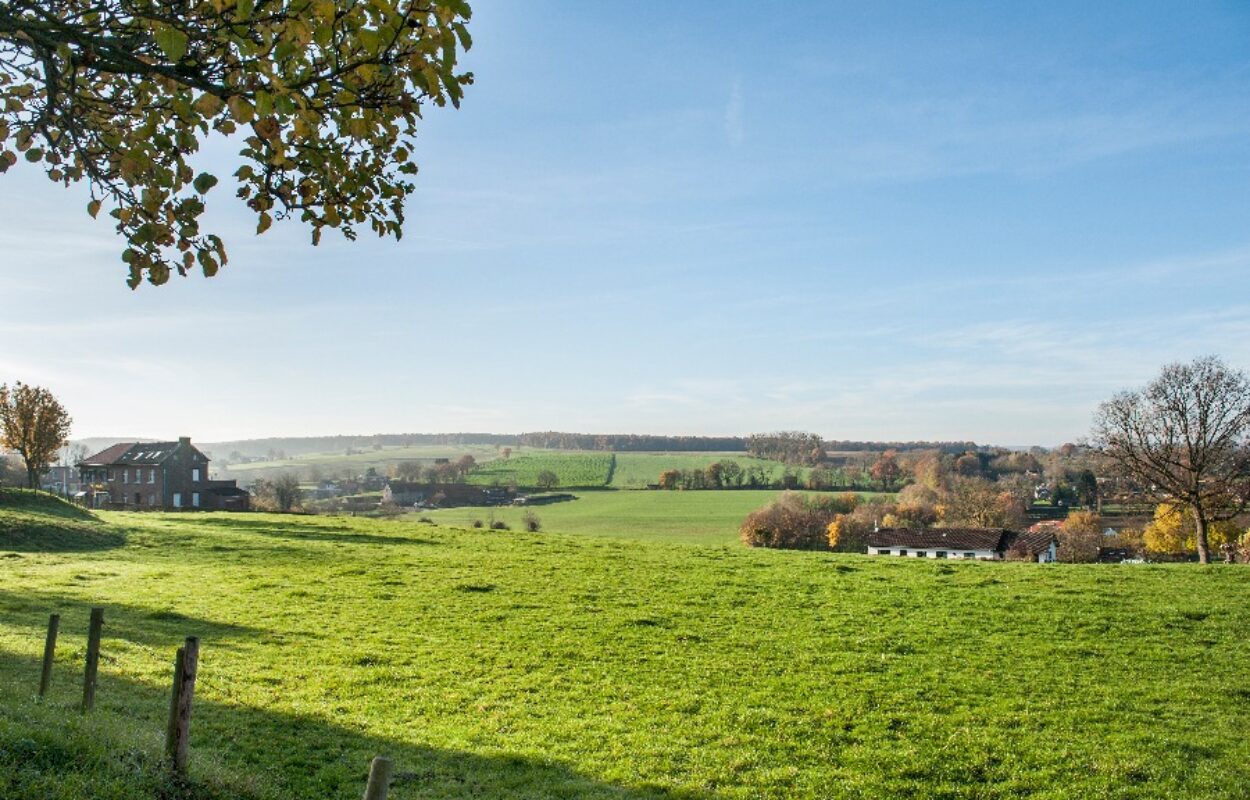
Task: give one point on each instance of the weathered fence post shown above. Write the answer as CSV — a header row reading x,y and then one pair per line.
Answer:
x,y
93,658
49,652
177,736
379,779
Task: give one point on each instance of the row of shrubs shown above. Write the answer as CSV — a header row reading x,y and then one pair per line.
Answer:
x,y
530,522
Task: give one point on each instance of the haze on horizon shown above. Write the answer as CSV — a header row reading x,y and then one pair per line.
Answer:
x,y
913,223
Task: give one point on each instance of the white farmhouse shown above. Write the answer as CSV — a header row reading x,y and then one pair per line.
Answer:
x,y
986,544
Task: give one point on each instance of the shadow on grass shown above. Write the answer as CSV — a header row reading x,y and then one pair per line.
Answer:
x,y
32,521
309,533
152,627
247,753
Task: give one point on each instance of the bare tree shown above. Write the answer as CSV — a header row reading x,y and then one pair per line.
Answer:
x,y
35,424
1184,438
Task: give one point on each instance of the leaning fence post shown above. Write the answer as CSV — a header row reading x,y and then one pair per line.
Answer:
x,y
49,652
93,658
379,779
177,735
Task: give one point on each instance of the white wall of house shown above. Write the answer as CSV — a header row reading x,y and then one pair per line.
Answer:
x,y
912,552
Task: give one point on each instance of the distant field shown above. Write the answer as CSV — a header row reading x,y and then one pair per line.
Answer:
x,y
709,517
504,665
333,464
579,469
637,470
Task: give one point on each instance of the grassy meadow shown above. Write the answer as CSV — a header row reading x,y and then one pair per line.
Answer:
x,y
637,470
573,469
702,517
335,464
510,665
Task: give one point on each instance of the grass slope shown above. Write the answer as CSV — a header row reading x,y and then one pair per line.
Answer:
x,y
32,520
505,665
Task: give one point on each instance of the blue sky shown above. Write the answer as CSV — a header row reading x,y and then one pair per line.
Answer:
x,y
886,221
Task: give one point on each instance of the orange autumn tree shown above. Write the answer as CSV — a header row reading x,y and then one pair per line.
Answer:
x,y
35,424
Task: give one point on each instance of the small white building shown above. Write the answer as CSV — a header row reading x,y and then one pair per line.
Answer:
x,y
981,544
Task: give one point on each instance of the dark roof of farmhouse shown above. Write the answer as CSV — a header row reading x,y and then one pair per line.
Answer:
x,y
939,538
998,539
126,454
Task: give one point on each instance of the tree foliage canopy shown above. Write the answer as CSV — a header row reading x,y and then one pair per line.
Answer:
x,y
323,95
1185,439
35,424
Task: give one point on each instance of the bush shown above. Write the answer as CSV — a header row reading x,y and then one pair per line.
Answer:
x,y
1080,536
532,523
499,525
792,522
477,523
426,520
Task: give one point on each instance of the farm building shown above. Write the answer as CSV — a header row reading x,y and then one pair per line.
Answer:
x,y
401,493
989,544
155,475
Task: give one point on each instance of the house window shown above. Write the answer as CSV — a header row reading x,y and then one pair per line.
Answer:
x,y
970,555
883,551
177,499
112,477
902,552
195,474
195,499
151,499
922,554
941,554
152,476
125,476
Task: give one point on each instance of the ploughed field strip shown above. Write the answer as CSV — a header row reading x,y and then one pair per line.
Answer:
x,y
504,664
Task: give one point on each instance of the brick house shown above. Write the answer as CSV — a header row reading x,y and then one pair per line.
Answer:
x,y
156,475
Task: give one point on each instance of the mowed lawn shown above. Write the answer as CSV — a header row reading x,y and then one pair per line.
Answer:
x,y
508,665
703,517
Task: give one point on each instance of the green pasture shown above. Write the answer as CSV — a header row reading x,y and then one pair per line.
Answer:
x,y
703,517
637,470
334,464
508,665
573,469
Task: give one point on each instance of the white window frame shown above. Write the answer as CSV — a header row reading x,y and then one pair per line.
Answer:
x,y
195,474
177,499
195,499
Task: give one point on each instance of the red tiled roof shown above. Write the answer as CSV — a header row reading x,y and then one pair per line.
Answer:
x,y
133,454
108,455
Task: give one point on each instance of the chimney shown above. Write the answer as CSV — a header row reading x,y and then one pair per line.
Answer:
x,y
184,440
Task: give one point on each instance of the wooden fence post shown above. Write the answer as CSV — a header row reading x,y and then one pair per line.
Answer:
x,y
49,652
93,658
379,779
177,735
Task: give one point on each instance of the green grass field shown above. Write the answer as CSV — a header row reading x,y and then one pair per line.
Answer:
x,y
507,665
334,464
573,469
707,517
637,470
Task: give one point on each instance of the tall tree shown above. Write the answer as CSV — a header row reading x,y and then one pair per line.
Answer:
x,y
1184,438
322,95
35,424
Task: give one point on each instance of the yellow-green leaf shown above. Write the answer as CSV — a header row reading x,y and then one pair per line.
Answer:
x,y
173,43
